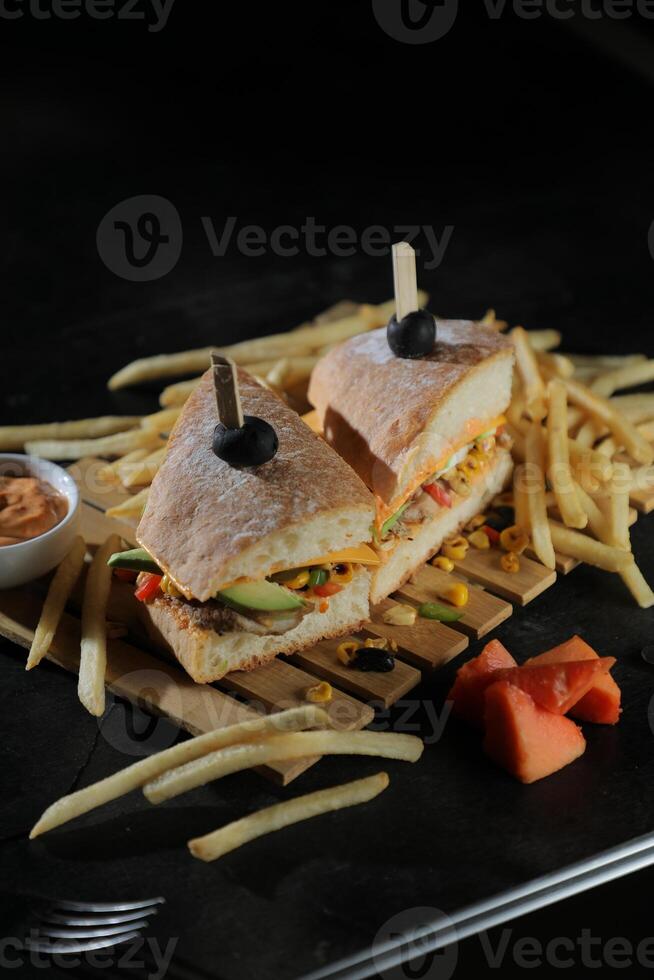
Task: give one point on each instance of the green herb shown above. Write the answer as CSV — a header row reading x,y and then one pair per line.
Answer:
x,y
317,576
432,610
392,521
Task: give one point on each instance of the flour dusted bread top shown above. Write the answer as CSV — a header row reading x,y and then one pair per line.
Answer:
x,y
207,524
391,418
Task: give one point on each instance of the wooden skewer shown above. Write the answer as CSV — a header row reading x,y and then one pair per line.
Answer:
x,y
404,278
228,397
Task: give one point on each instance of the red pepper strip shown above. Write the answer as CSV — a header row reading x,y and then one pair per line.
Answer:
x,y
149,586
492,535
439,493
329,588
125,574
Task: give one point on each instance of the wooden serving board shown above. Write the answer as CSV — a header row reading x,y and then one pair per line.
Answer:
x,y
196,708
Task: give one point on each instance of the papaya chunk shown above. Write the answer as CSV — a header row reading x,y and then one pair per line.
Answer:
x,y
525,739
473,678
558,686
601,704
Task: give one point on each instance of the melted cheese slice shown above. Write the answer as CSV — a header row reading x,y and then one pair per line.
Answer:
x,y
363,554
474,428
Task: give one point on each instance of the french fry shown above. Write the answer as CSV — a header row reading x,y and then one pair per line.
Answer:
x,y
603,411
304,340
544,340
597,522
276,748
272,818
602,362
93,656
560,477
637,407
624,377
585,548
597,463
59,591
163,421
118,444
558,364
145,770
118,470
520,502
618,508
534,489
176,394
143,472
588,434
489,319
130,508
16,436
534,388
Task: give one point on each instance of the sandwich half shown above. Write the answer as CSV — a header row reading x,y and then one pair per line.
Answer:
x,y
240,564
425,435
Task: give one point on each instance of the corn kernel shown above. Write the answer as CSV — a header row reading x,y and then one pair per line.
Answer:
x,y
169,587
455,548
320,693
459,482
457,594
510,562
374,643
341,574
476,522
479,539
400,615
346,651
300,580
445,564
514,539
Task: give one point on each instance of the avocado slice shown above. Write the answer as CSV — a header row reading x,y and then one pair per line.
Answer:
x,y
392,521
138,560
265,596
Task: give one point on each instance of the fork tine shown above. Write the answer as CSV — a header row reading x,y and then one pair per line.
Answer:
x,y
66,906
96,920
79,932
45,946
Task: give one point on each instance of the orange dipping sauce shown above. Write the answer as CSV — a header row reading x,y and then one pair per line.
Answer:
x,y
28,508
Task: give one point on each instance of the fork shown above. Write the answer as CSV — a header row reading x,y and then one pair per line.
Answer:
x,y
60,926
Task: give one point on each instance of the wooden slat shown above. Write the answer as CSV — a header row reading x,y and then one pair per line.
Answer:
x,y
482,613
426,644
279,683
138,677
523,586
384,689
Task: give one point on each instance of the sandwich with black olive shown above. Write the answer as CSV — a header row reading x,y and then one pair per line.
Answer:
x,y
423,428
254,545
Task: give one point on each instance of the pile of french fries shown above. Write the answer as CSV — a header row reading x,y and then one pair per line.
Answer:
x,y
581,448
211,756
581,452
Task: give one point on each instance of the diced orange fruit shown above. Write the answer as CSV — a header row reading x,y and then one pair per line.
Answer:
x,y
473,678
525,739
601,704
558,686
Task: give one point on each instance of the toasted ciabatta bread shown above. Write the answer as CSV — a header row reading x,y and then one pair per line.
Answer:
x,y
207,655
208,524
395,420
425,539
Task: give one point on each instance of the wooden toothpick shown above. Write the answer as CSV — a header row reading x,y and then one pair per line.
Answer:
x,y
228,397
404,278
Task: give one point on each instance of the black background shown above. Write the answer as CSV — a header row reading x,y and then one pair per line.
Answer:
x,y
532,138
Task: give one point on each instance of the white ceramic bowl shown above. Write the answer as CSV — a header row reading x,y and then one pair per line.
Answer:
x,y
20,563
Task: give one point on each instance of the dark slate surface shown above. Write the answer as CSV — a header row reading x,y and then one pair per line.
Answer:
x,y
547,182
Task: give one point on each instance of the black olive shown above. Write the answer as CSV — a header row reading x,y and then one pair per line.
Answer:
x,y
253,444
500,518
413,336
373,659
